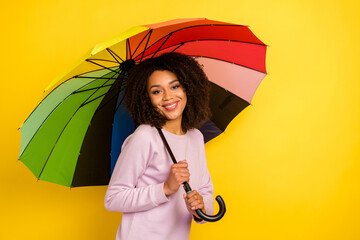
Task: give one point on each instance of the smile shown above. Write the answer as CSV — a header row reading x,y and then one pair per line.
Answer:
x,y
170,106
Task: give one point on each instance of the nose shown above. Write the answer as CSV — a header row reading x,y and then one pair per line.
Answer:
x,y
167,95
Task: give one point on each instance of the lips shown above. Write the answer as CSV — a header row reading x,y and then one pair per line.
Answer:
x,y
170,106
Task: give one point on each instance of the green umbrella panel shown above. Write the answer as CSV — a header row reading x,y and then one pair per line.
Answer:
x,y
60,124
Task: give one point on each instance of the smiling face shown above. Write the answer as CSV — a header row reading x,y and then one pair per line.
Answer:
x,y
167,95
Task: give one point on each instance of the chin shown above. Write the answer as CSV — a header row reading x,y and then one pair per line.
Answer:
x,y
172,116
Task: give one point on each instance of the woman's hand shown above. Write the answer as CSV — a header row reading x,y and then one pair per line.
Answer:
x,y
179,173
194,201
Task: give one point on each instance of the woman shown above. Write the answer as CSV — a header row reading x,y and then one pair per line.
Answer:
x,y
170,92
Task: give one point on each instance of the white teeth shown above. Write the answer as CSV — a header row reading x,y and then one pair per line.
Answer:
x,y
170,106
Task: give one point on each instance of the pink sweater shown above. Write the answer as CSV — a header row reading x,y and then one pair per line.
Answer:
x,y
136,186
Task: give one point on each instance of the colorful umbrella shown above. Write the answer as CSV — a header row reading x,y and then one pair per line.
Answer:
x,y
73,136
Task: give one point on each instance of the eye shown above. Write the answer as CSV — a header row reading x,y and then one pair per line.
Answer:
x,y
175,86
155,92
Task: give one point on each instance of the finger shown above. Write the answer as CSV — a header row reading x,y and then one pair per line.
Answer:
x,y
180,162
183,179
180,176
196,204
186,201
181,173
192,194
180,170
193,201
194,198
199,206
180,165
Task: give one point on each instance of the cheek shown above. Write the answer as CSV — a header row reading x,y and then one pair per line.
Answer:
x,y
154,101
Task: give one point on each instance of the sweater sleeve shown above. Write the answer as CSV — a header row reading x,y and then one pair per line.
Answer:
x,y
122,194
206,189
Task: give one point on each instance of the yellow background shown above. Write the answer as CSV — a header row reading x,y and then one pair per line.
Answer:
x,y
288,166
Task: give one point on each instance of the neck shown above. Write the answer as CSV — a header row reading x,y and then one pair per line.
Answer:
x,y
174,127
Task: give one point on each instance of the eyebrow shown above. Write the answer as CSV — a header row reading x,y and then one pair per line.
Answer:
x,y
176,80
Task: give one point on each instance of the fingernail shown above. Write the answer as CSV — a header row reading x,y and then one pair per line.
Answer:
x,y
193,208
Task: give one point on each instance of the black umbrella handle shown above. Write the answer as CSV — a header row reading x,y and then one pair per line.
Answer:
x,y
187,188
204,216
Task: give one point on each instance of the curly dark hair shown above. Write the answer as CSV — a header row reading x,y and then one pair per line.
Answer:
x,y
190,75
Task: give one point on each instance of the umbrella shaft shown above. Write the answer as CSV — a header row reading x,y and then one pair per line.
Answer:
x,y
187,187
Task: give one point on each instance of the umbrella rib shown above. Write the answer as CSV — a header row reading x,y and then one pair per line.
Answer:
x,y
51,113
205,25
112,53
180,45
221,25
92,77
120,89
128,44
177,47
85,103
118,106
65,81
169,35
146,45
63,131
229,92
89,60
80,76
104,60
210,39
81,91
213,24
232,63
149,32
101,107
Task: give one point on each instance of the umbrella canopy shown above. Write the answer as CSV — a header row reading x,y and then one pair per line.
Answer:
x,y
73,136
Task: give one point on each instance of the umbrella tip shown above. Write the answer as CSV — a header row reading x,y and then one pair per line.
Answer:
x,y
127,65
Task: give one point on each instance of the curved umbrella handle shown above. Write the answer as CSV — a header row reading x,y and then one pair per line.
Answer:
x,y
204,216
187,188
